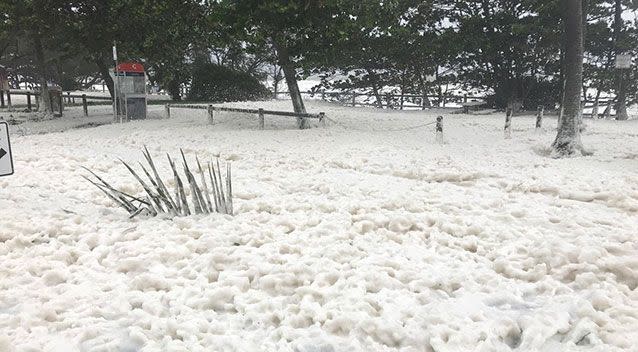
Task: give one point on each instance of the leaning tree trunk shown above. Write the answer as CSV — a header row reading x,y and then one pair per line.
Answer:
x,y
621,96
40,61
106,76
567,141
290,74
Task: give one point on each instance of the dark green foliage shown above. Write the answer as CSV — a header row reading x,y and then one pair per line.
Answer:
x,y
217,83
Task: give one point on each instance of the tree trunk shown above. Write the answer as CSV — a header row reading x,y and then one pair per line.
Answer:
x,y
567,141
424,91
40,61
374,82
103,68
174,90
621,95
290,74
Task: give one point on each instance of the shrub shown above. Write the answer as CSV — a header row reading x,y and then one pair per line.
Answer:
x,y
217,83
159,200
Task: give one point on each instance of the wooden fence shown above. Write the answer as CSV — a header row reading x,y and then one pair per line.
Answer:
x,y
58,100
395,101
259,112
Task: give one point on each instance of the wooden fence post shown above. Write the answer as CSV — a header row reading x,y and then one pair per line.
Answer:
x,y
2,99
37,102
508,122
261,118
323,94
594,111
465,98
167,110
388,100
322,118
85,106
8,99
211,115
607,111
29,101
539,117
68,97
354,99
61,104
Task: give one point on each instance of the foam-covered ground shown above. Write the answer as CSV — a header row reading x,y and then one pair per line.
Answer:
x,y
362,235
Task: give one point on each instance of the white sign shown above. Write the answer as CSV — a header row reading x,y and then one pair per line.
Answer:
x,y
114,53
623,61
6,159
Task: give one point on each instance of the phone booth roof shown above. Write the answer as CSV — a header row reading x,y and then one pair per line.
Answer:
x,y
130,67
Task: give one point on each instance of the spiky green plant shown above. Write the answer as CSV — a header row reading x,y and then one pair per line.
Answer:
x,y
158,199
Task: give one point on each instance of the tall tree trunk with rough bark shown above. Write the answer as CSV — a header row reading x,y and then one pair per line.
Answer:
x,y
290,74
621,95
45,105
568,141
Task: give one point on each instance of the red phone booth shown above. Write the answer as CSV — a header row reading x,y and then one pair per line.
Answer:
x,y
130,79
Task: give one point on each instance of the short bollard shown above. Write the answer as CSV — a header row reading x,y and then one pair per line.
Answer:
x,y
539,117
85,106
439,129
261,118
211,114
508,123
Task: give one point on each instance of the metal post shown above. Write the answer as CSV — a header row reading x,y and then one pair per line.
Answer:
x,y
84,105
116,84
29,101
211,115
261,118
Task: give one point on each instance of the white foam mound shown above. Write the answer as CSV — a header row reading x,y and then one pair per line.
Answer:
x,y
362,235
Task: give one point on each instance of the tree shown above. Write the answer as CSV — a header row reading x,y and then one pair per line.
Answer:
x,y
568,141
284,25
508,47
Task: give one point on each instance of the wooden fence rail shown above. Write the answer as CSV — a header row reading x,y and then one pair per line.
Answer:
x,y
393,101
260,112
69,99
